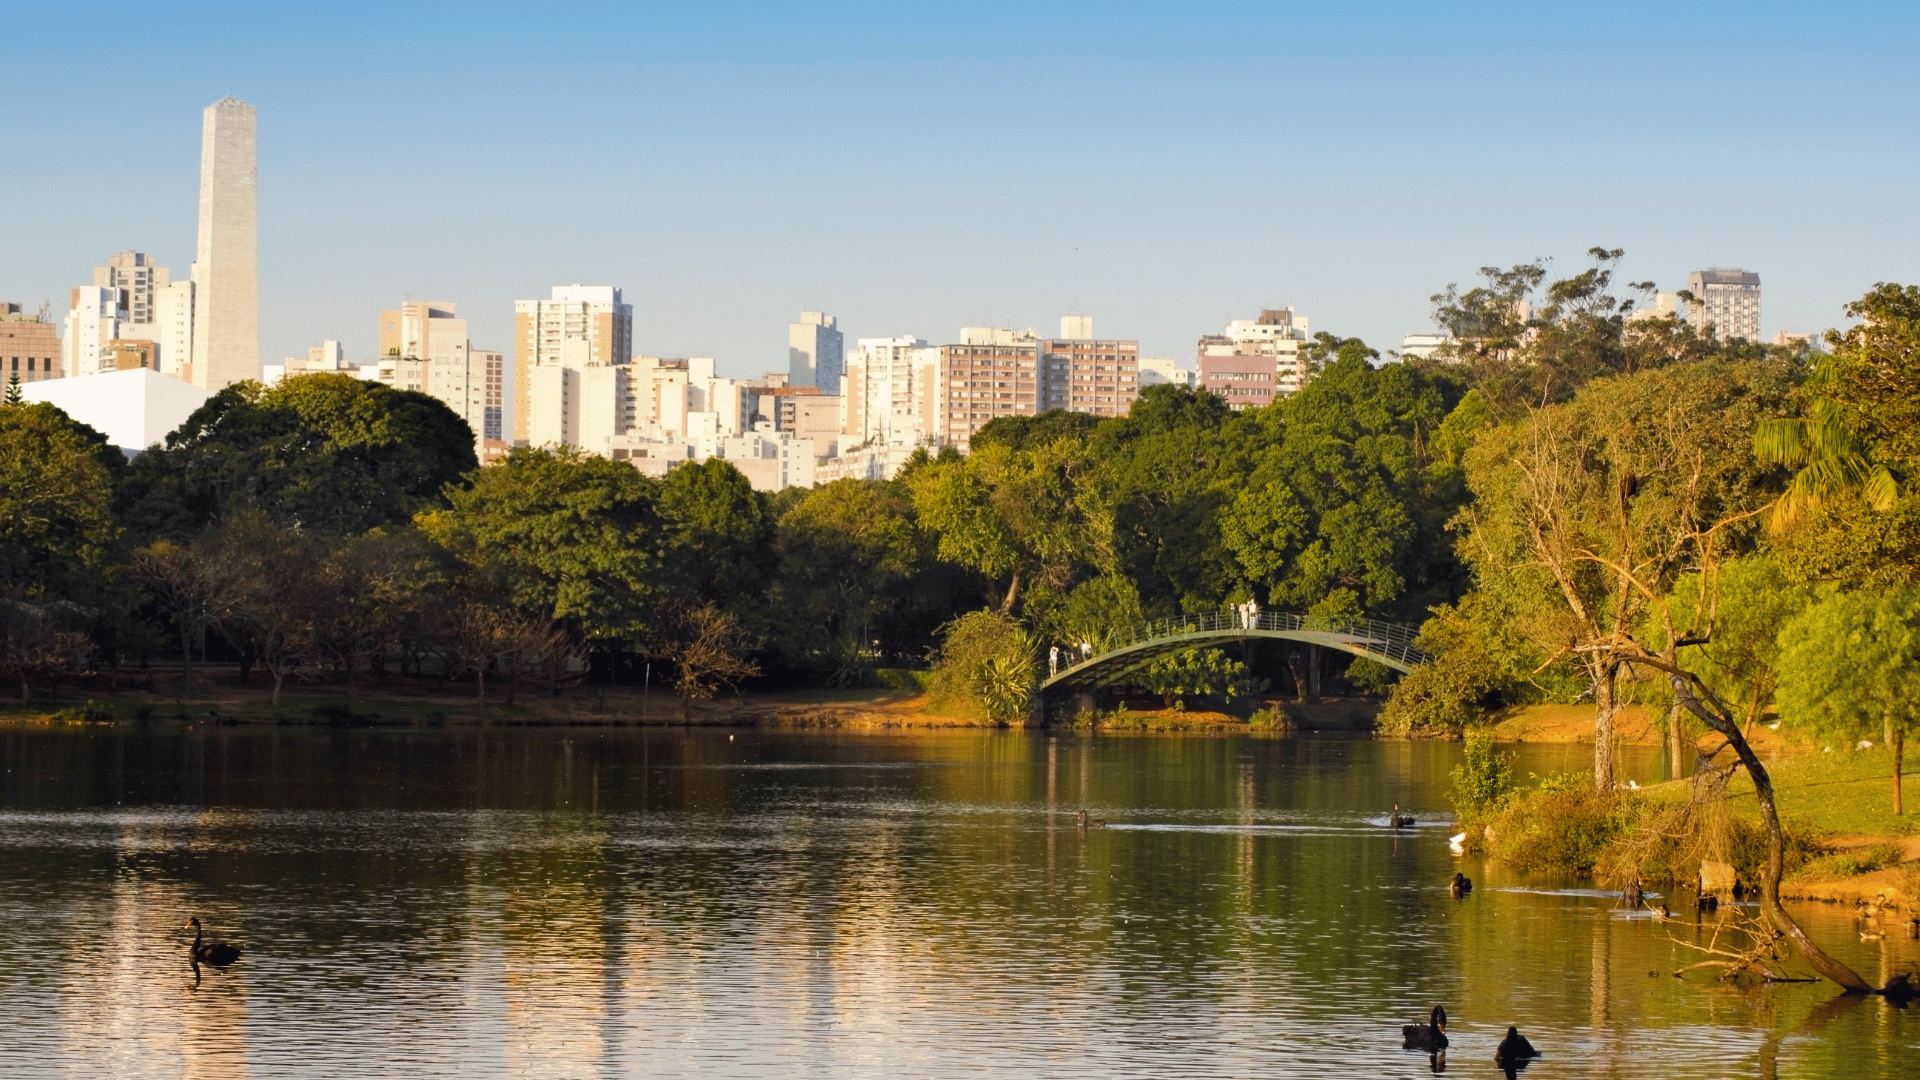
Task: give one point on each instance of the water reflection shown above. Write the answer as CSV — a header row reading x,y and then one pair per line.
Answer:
x,y
473,903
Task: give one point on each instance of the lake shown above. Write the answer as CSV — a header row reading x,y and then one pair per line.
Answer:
x,y
647,902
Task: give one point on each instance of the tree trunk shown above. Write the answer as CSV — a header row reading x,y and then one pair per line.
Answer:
x,y
1603,711
1013,590
1299,679
1826,965
480,681
186,661
1677,743
1313,674
1899,743
278,677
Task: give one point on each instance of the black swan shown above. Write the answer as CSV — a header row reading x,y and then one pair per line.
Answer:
x,y
1514,1048
1708,903
1430,1036
216,953
1397,819
1092,822
1633,895
1461,884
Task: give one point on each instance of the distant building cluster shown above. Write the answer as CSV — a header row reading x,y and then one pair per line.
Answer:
x,y
151,348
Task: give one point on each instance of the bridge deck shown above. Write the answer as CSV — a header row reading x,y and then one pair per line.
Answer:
x,y
1387,643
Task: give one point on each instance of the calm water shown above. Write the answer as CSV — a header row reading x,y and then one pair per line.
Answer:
x,y
572,904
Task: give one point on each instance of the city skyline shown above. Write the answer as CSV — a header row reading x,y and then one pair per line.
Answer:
x,y
1342,204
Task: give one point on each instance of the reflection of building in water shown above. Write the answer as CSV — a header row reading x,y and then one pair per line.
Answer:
x,y
561,983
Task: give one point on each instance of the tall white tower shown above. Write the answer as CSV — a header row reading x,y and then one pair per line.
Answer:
x,y
226,270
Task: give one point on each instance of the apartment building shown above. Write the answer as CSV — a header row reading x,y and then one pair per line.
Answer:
x,y
997,372
1253,361
136,281
29,346
424,347
577,327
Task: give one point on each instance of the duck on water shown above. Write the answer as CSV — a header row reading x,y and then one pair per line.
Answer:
x,y
214,953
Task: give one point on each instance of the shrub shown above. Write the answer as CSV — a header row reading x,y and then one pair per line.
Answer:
x,y
1482,779
1561,830
90,713
1278,718
986,662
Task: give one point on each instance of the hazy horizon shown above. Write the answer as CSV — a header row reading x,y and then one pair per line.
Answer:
x,y
1163,171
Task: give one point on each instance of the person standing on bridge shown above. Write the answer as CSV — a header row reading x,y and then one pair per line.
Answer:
x,y
1053,661
1086,650
1253,614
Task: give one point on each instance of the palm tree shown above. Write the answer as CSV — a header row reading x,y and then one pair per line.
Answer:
x,y
1832,459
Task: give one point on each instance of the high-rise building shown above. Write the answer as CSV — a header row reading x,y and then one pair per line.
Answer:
x,y
1100,377
881,398
580,326
424,347
93,322
226,268
1727,300
815,352
29,347
172,328
1253,361
996,372
137,281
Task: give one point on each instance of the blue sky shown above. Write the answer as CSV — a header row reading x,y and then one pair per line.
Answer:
x,y
913,169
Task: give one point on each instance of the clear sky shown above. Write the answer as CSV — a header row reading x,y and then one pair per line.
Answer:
x,y
916,168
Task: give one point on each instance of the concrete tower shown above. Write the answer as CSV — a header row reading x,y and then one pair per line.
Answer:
x,y
226,271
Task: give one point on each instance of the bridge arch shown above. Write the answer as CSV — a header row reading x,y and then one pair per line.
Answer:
x,y
1383,642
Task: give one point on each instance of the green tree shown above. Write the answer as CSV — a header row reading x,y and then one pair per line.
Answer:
x,y
1029,517
850,556
327,452
1197,673
717,534
1734,616
58,536
559,534
1586,513
1850,669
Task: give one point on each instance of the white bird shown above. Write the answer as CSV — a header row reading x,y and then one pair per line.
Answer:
x,y
1455,841
1864,744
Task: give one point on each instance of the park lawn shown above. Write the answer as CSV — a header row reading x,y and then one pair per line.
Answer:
x,y
1839,792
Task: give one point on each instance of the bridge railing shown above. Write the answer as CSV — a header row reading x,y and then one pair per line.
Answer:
x,y
1389,640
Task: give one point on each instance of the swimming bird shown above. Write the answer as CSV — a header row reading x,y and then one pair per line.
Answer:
x,y
217,953
1397,819
1429,1036
1514,1048
1708,903
1633,895
1461,884
1900,989
1092,822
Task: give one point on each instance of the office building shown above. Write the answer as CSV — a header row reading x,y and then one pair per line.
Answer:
x,y
815,352
579,326
327,357
226,268
1726,300
29,347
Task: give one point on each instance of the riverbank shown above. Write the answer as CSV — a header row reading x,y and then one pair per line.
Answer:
x,y
220,696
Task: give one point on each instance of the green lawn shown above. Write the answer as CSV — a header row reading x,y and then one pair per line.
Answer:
x,y
1838,792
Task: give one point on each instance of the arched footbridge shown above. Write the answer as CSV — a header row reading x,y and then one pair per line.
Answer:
x,y
1383,642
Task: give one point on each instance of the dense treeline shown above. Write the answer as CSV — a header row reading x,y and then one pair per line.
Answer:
x,y
1563,485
